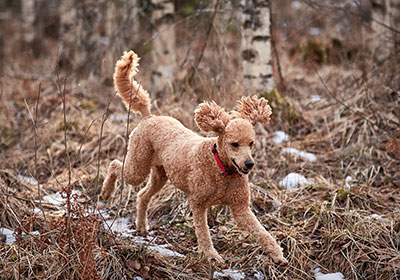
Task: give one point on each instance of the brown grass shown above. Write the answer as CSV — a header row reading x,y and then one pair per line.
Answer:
x,y
351,130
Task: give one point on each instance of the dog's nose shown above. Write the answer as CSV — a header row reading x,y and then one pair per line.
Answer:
x,y
249,164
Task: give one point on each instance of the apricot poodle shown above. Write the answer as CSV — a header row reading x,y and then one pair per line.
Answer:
x,y
209,170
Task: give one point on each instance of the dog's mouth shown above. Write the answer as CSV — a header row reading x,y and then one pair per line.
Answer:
x,y
244,171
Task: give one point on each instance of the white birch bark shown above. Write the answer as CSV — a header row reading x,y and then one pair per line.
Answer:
x,y
68,33
28,19
256,45
164,57
79,37
122,30
385,27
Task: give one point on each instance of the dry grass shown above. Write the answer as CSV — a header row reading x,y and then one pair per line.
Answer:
x,y
351,130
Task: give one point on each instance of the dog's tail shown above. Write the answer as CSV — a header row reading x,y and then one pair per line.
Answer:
x,y
133,94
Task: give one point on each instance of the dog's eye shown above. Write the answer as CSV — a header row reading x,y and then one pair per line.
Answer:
x,y
234,144
251,144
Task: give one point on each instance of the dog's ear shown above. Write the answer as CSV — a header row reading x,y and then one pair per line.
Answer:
x,y
211,117
254,109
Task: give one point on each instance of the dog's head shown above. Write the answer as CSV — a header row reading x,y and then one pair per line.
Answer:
x,y
235,130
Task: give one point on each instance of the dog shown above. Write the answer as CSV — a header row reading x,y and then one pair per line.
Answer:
x,y
209,170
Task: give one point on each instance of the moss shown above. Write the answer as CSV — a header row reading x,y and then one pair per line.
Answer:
x,y
6,139
231,27
146,48
88,104
280,105
314,51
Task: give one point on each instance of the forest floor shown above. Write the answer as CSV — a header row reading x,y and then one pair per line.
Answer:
x,y
333,124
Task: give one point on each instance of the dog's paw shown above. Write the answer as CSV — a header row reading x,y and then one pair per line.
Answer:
x,y
141,231
105,195
212,255
279,259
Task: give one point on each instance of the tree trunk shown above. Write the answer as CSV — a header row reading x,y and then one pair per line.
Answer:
x,y
385,27
164,57
122,30
256,46
79,36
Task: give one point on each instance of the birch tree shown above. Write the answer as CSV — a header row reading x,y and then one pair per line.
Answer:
x,y
164,57
256,45
122,30
385,25
79,36
28,15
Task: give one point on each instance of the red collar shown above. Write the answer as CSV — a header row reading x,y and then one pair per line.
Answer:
x,y
225,170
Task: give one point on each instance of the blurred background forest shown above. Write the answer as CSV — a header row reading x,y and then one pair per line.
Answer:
x,y
330,69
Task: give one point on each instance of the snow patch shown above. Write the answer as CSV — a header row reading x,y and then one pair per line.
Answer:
x,y
9,233
296,153
118,117
378,217
296,5
280,137
347,185
231,273
161,249
259,276
27,180
10,238
120,225
314,31
58,199
123,227
315,98
330,276
293,180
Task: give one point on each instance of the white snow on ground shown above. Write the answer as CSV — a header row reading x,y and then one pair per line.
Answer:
x,y
9,233
10,238
296,153
314,31
296,4
315,98
330,276
280,137
378,217
27,180
57,199
118,117
161,249
259,276
347,185
231,273
293,180
122,226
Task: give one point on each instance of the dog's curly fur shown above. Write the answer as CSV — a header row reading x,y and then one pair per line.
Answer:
x,y
162,147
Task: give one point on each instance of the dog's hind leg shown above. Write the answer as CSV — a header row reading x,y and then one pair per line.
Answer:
x,y
114,171
157,180
137,165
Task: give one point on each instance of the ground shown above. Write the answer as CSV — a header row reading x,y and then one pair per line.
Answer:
x,y
59,132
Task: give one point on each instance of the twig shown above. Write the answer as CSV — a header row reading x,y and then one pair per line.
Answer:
x,y
103,120
282,83
34,123
65,132
337,99
84,138
126,145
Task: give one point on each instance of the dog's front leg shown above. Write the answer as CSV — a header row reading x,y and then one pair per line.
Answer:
x,y
248,221
206,247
